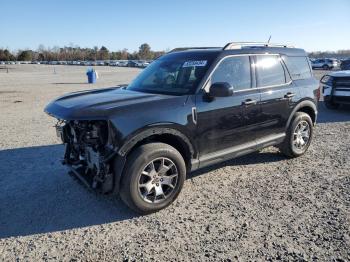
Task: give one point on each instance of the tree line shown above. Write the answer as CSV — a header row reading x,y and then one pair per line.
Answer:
x,y
76,53
328,54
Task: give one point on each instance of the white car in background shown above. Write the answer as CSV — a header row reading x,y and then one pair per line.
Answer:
x,y
141,63
122,63
335,87
325,63
138,63
145,64
87,63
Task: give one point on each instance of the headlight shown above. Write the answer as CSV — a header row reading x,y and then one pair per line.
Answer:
x,y
328,80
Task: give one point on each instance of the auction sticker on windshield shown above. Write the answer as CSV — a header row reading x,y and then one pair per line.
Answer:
x,y
195,63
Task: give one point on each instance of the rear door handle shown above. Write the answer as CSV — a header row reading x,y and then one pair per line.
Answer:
x,y
289,95
249,102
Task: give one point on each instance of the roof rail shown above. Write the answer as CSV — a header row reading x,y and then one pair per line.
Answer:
x,y
189,48
240,45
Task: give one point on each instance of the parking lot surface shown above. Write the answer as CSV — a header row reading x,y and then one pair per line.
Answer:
x,y
260,206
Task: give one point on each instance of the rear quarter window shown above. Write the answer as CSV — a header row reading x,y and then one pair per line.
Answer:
x,y
298,67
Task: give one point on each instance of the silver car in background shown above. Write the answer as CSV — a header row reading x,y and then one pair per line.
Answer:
x,y
325,63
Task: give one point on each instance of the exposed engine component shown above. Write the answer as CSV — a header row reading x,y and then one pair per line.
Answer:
x,y
87,152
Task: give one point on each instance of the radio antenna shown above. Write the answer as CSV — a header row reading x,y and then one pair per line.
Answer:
x,y
268,41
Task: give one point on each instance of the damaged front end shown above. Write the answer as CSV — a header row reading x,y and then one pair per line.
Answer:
x,y
89,149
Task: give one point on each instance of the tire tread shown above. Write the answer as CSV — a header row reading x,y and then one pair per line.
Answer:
x,y
143,150
285,147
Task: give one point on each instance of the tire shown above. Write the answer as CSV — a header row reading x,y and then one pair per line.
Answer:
x,y
331,105
325,67
289,147
140,171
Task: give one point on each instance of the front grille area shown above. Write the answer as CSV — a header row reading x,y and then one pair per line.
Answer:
x,y
342,83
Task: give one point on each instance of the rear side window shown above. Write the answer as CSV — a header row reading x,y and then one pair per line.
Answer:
x,y
235,71
269,70
298,67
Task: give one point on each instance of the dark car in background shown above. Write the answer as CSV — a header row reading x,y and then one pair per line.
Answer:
x,y
345,64
336,89
187,110
131,63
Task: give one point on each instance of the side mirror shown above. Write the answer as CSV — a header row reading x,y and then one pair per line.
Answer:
x,y
221,89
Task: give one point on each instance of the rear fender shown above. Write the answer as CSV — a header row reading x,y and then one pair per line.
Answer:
x,y
303,104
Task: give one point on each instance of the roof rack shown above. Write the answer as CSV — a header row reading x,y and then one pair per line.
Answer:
x,y
241,45
190,48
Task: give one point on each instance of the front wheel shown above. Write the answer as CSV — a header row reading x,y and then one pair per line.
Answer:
x,y
153,178
299,135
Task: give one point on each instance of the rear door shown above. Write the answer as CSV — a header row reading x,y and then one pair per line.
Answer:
x,y
277,95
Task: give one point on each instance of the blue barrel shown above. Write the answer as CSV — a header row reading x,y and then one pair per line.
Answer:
x,y
91,76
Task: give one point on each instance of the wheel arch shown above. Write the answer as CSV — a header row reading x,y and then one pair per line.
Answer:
x,y
168,136
307,107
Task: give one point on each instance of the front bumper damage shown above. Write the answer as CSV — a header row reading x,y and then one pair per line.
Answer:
x,y
90,152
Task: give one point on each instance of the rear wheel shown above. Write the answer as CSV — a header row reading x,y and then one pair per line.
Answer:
x,y
153,178
325,67
299,135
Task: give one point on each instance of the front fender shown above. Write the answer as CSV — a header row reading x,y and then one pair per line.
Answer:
x,y
133,139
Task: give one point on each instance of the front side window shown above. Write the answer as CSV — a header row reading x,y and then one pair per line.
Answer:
x,y
235,71
269,70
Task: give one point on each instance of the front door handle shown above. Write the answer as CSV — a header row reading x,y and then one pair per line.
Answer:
x,y
289,95
249,102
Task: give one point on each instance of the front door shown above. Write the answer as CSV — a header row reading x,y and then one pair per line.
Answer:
x,y
223,123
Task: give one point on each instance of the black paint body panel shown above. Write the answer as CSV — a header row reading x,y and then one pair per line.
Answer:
x,y
224,126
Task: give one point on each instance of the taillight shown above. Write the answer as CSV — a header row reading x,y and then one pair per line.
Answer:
x,y
318,93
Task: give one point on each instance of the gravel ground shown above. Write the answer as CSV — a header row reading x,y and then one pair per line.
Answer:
x,y
258,207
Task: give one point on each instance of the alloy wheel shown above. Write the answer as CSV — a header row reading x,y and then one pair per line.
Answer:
x,y
301,135
158,180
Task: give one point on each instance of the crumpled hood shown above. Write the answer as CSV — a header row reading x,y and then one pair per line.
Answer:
x,y
96,104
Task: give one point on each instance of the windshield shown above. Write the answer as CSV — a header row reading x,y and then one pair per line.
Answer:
x,y
173,74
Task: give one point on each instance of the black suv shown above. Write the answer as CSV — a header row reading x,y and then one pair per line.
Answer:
x,y
187,110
